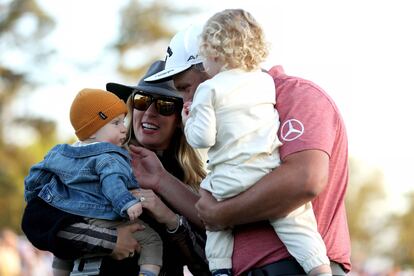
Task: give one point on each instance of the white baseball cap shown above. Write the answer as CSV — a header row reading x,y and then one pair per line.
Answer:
x,y
181,53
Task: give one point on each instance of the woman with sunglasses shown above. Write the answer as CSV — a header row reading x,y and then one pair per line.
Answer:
x,y
154,123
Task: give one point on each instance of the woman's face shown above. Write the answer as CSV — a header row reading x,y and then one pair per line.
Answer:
x,y
152,130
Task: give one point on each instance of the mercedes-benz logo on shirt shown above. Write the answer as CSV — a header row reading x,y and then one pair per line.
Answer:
x,y
291,130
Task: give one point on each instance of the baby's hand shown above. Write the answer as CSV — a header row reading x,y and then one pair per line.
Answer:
x,y
186,111
134,211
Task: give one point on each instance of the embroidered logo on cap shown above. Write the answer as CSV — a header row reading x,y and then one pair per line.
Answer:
x,y
192,57
102,115
169,51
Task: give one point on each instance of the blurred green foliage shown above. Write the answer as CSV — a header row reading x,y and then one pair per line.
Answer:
x,y
404,249
138,30
16,160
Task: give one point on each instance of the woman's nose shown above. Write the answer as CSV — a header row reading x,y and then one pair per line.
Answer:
x,y
152,109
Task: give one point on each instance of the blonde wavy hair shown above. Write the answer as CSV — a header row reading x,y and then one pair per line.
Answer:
x,y
188,158
235,38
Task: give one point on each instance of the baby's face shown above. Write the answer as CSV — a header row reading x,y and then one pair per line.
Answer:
x,y
113,132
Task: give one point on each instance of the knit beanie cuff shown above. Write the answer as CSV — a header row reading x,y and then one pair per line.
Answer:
x,y
100,119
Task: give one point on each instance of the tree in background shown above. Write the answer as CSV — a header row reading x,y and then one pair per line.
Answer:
x,y
15,162
403,253
377,232
144,32
145,29
23,25
369,218
365,191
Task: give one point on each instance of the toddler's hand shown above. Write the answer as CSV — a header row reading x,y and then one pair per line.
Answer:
x,y
187,107
134,211
186,111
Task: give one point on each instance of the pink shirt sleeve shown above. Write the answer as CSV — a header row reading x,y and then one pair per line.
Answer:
x,y
308,119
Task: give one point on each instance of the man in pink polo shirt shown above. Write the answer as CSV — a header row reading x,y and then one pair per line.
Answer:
x,y
314,168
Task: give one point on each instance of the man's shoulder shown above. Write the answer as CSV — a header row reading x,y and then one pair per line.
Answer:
x,y
291,83
293,89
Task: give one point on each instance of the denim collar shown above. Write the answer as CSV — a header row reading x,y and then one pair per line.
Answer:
x,y
92,149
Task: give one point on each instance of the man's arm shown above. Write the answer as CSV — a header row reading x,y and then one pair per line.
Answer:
x,y
299,179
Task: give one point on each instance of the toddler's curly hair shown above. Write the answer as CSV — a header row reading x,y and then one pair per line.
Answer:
x,y
234,38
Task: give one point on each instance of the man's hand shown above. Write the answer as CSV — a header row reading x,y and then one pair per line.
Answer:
x,y
208,209
126,244
147,168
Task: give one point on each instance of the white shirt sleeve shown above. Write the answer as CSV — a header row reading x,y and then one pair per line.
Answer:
x,y
200,128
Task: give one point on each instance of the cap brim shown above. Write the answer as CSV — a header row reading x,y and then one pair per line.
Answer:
x,y
122,91
167,74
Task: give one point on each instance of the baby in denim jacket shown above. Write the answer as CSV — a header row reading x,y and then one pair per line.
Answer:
x,y
93,177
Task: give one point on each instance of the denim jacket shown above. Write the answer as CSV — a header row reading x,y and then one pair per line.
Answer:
x,y
91,181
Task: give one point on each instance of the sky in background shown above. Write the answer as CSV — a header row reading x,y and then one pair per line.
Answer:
x,y
360,52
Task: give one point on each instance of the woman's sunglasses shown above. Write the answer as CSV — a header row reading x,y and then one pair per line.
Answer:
x,y
165,106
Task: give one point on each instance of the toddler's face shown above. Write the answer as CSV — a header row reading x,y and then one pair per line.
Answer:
x,y
212,66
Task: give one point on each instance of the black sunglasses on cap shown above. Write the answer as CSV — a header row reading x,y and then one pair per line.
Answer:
x,y
165,106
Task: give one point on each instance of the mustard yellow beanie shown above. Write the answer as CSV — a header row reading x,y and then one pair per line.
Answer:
x,y
92,109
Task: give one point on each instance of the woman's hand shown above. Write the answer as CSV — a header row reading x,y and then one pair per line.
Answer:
x,y
156,207
147,168
151,174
